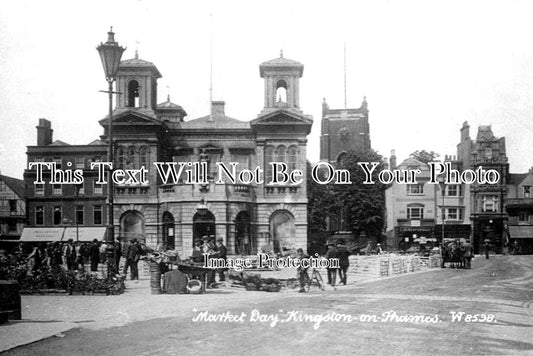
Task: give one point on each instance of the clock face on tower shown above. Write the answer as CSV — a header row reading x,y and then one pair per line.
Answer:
x,y
344,134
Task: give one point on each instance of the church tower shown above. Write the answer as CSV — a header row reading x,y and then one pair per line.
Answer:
x,y
343,130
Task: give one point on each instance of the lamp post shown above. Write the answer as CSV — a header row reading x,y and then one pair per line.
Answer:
x,y
110,54
442,185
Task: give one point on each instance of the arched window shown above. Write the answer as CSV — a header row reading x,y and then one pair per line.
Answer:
x,y
269,157
341,157
143,157
132,225
120,158
293,158
488,153
281,154
281,91
282,229
169,240
133,94
132,158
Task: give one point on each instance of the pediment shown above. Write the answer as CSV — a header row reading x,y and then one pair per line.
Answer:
x,y
282,117
133,117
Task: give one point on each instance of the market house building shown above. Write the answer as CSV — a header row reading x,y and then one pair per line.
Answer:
x,y
249,217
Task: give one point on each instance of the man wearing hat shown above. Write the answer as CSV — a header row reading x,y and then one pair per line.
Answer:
x,y
344,262
332,272
131,256
222,252
69,255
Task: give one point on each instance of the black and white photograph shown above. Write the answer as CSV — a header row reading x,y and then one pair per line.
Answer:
x,y
285,177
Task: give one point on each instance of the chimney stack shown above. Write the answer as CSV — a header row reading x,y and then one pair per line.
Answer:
x,y
44,132
217,110
392,159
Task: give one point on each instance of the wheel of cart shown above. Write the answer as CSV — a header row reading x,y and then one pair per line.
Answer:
x,y
315,280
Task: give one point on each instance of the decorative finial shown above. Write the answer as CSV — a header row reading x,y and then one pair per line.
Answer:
x,y
136,54
281,54
168,94
111,36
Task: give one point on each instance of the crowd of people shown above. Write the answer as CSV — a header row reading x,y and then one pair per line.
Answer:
x,y
74,256
68,255
214,250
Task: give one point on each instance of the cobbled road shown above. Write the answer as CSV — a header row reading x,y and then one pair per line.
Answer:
x,y
487,310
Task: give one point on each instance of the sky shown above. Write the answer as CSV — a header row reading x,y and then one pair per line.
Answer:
x,y
425,67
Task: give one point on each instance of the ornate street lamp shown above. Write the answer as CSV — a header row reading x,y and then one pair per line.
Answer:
x,y
442,185
110,54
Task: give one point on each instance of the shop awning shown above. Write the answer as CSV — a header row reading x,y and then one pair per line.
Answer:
x,y
521,232
46,234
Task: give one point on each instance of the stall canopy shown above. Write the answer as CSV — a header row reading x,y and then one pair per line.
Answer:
x,y
46,234
521,232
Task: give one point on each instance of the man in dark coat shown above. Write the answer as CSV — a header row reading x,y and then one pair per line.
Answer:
x,y
467,255
131,256
94,255
69,255
332,271
486,247
118,253
222,252
344,262
302,271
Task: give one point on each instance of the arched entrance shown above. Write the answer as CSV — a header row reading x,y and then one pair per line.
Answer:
x,y
282,229
169,240
203,225
243,240
132,226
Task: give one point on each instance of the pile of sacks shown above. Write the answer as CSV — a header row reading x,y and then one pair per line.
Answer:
x,y
254,282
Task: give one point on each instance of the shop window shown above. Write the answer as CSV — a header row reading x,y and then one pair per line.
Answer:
x,y
415,213
415,189
527,191
97,215
39,215
57,215
79,215
57,189
489,203
453,190
39,189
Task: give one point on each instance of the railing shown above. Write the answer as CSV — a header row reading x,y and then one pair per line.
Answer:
x,y
281,190
519,201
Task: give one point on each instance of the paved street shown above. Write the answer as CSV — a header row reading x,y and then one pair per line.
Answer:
x,y
411,314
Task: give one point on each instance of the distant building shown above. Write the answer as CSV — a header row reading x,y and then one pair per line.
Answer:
x,y
63,211
343,130
12,208
519,207
487,201
411,209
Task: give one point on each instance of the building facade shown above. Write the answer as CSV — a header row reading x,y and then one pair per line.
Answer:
x,y
249,216
63,211
411,208
12,208
519,207
487,201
